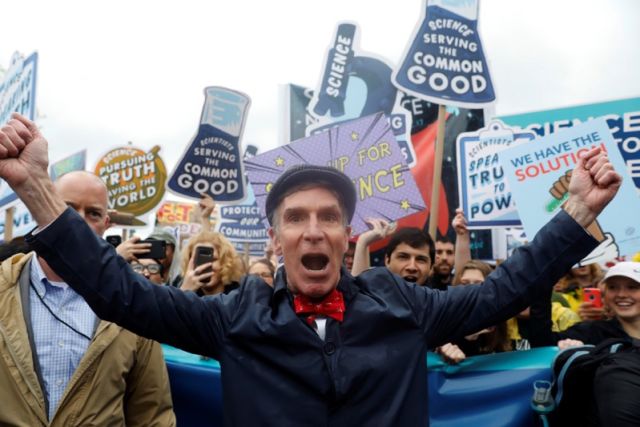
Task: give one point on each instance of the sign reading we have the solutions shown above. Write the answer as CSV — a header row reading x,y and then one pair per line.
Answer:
x,y
537,173
366,151
212,161
485,196
444,62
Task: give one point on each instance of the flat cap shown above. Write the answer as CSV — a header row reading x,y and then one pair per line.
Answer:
x,y
312,174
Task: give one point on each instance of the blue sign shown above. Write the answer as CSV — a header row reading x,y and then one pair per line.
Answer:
x,y
622,117
17,94
242,223
445,63
212,163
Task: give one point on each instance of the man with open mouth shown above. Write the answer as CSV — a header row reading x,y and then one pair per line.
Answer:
x,y
321,347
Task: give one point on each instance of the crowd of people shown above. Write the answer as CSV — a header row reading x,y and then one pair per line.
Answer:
x,y
78,315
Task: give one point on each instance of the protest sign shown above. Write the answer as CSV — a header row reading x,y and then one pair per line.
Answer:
x,y
74,162
539,173
212,161
242,224
295,117
485,196
357,84
17,94
444,61
622,116
22,220
135,180
366,151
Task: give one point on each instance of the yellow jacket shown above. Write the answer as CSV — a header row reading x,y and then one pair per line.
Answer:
x,y
561,318
121,379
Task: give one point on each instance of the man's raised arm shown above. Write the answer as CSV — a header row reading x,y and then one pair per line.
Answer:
x,y
23,164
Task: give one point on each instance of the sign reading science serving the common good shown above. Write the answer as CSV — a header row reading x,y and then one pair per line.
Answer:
x,y
485,196
135,179
212,161
366,151
444,62
539,174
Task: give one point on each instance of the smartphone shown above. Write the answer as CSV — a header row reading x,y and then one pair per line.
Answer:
x,y
203,255
593,295
157,250
115,240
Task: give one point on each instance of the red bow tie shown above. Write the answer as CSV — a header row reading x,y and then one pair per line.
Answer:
x,y
331,306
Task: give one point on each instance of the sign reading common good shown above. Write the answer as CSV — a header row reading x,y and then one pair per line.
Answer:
x,y
444,62
212,161
485,196
135,179
539,173
366,151
17,94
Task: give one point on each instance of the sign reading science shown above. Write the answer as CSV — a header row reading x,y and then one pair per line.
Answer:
x,y
135,179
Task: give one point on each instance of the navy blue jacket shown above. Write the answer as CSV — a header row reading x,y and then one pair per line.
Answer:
x,y
275,369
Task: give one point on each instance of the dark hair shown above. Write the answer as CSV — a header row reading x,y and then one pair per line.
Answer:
x,y
414,237
444,239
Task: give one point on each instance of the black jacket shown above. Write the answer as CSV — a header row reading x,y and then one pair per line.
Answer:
x,y
370,370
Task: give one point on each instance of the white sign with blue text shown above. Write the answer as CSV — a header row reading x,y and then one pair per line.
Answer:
x,y
485,196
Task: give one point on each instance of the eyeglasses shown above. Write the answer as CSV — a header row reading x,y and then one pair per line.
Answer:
x,y
151,268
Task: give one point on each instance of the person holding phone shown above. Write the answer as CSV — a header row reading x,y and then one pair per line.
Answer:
x,y
621,295
210,265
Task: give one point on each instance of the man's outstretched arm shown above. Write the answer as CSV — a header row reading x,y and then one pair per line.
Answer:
x,y
90,265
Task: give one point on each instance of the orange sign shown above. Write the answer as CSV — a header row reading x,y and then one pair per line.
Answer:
x,y
135,179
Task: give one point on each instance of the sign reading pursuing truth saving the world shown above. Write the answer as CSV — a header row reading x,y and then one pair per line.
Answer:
x,y
135,179
366,151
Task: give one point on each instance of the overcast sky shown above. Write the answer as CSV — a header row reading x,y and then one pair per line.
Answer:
x,y
118,71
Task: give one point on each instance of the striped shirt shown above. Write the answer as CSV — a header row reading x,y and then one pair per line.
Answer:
x,y
58,348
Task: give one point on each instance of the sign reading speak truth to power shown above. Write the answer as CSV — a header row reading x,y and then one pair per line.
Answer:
x,y
444,62
212,162
539,173
366,151
485,196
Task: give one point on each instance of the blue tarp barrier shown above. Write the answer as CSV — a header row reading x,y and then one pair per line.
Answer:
x,y
482,391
